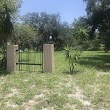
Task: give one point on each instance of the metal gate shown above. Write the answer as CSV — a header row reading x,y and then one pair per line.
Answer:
x,y
31,59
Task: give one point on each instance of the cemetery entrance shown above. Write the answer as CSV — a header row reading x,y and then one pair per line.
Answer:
x,y
30,58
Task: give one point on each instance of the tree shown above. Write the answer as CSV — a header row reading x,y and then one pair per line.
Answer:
x,y
24,35
7,9
98,12
6,25
72,55
48,25
65,36
80,31
45,24
13,5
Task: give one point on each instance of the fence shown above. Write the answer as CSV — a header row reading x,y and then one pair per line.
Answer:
x,y
30,59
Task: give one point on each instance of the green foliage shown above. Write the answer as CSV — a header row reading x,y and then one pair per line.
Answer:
x,y
65,36
6,25
46,24
93,45
72,55
24,35
3,61
98,12
80,31
13,5
49,25
8,8
6,28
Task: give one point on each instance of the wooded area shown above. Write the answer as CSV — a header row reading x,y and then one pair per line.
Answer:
x,y
91,32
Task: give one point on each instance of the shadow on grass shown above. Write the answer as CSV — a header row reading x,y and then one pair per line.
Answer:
x,y
100,62
4,73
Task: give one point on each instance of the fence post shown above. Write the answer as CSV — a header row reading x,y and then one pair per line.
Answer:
x,y
48,56
12,58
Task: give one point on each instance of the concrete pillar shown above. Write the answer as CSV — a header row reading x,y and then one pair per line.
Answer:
x,y
48,56
12,57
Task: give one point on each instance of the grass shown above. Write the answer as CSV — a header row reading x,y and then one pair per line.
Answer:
x,y
88,88
30,61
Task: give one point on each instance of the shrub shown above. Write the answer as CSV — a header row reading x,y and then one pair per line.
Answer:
x,y
72,55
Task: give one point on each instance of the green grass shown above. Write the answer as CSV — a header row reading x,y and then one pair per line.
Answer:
x,y
30,61
88,88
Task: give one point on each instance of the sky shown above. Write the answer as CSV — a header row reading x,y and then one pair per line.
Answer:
x,y
68,9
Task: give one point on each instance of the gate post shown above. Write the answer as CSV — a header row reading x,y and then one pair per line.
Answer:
x,y
48,55
12,57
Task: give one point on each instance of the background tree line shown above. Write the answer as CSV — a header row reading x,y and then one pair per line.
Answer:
x,y
91,32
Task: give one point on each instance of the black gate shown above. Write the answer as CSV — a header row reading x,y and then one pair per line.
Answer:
x,y
30,59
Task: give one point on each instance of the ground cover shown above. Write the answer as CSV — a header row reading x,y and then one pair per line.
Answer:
x,y
88,88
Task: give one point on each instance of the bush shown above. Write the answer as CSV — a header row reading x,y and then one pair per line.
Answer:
x,y
72,55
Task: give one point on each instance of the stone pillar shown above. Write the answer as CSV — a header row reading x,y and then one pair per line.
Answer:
x,y
48,56
12,57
